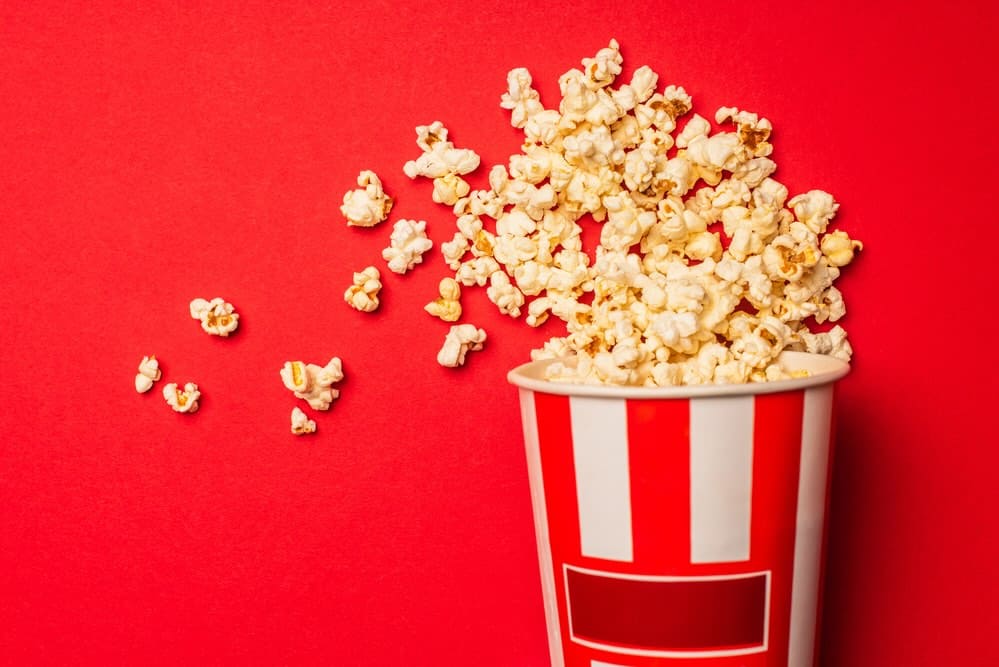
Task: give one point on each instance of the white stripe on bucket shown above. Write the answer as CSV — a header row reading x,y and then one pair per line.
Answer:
x,y
530,421
603,486
598,663
721,478
812,480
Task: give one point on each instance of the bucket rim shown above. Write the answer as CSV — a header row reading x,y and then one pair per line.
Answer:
x,y
823,370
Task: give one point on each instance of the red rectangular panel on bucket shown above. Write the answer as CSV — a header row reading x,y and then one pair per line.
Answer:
x,y
668,615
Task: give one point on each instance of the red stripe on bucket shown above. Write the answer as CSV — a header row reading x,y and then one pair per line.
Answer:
x,y
668,615
659,451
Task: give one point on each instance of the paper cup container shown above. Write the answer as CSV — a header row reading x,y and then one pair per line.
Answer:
x,y
681,525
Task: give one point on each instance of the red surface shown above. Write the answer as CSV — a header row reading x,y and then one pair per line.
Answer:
x,y
148,156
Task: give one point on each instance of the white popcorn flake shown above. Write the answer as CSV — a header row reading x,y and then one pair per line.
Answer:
x,y
149,372
460,340
313,383
217,316
815,208
300,422
440,158
504,294
448,306
408,243
368,205
182,400
363,294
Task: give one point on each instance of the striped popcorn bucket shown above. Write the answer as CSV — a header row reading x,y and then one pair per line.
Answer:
x,y
681,525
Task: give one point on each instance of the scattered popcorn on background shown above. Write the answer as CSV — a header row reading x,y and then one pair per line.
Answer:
x,y
363,294
408,243
705,270
182,400
149,372
313,383
368,205
300,423
217,316
447,307
460,340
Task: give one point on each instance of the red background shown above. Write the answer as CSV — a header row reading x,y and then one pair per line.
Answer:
x,y
149,156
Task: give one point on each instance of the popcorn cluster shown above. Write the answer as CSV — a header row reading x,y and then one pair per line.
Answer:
x,y
217,316
705,270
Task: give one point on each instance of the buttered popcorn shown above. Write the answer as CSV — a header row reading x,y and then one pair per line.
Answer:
x,y
368,205
313,383
217,316
363,294
182,400
706,270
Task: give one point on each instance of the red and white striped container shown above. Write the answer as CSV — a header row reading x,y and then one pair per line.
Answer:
x,y
681,525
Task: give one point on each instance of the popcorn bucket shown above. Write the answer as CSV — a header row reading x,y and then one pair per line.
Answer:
x,y
681,525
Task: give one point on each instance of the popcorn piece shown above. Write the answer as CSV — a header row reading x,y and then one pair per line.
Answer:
x,y
440,158
363,294
149,372
313,383
815,208
185,400
408,243
839,248
448,306
368,205
300,423
461,339
217,316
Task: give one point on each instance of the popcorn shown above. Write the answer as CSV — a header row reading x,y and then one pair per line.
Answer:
x,y
300,423
461,339
363,294
217,316
838,248
448,306
313,383
182,400
440,158
149,372
369,205
408,243
671,297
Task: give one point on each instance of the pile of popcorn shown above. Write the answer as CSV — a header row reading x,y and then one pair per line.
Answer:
x,y
706,270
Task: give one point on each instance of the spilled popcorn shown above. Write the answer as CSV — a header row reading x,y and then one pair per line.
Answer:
x,y
149,372
408,243
363,294
217,316
706,270
300,423
182,400
368,205
460,340
313,383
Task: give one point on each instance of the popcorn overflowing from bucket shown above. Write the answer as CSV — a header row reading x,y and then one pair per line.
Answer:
x,y
705,271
